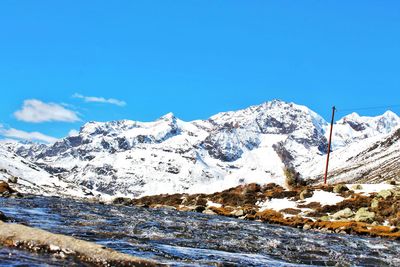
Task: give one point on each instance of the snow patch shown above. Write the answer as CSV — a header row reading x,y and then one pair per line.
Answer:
x,y
324,198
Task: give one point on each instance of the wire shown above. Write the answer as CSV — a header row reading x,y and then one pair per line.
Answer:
x,y
367,108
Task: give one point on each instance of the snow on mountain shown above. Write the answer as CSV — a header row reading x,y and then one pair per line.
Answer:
x,y
354,127
170,156
29,178
372,160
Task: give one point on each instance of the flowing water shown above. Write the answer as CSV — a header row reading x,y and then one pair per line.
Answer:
x,y
189,239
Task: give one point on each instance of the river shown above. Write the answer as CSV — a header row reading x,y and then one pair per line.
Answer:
x,y
188,239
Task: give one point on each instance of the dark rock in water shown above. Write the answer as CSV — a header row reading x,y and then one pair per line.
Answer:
x,y
200,208
122,201
3,217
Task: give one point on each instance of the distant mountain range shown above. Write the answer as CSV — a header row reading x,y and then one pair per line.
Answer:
x,y
169,155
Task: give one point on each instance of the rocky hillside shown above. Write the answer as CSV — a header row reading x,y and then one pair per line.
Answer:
x,y
254,145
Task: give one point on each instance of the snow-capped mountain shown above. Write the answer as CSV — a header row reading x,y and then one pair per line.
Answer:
x,y
26,176
355,128
169,155
372,160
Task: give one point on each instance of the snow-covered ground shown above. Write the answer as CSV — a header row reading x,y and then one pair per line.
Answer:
x,y
319,196
33,179
367,189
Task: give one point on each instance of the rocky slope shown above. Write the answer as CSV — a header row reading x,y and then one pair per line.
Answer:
x,y
254,145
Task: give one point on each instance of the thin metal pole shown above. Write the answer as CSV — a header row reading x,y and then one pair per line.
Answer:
x,y
329,145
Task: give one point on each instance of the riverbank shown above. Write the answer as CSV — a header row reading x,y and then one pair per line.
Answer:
x,y
372,210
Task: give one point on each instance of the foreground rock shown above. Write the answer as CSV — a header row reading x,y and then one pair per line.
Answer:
x,y
24,237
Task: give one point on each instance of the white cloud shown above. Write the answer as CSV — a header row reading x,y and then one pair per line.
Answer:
x,y
34,110
112,101
73,132
29,136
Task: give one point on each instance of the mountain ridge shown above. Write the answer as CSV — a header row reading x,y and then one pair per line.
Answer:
x,y
169,155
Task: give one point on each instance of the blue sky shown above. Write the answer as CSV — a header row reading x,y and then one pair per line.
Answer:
x,y
192,58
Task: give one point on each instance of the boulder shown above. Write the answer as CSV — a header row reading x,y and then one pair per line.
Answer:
x,y
375,203
384,194
122,201
238,213
306,194
363,215
343,214
357,187
340,188
209,212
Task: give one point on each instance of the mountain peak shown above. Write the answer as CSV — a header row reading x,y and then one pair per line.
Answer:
x,y
390,115
276,102
168,117
353,115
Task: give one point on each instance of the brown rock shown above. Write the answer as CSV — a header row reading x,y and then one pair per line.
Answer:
x,y
5,189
